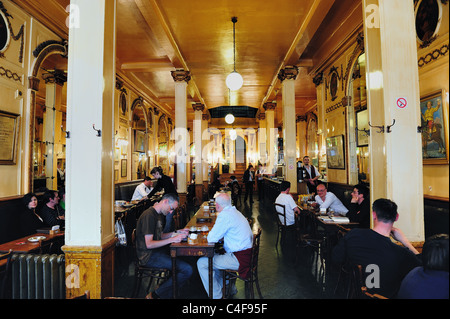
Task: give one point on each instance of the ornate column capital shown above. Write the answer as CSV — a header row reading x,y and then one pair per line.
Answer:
x,y
57,76
270,106
205,117
261,116
198,107
300,118
318,79
288,73
33,83
181,75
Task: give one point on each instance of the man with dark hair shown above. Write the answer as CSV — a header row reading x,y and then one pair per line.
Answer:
x,y
151,244
290,206
359,210
249,180
163,182
384,263
50,212
432,280
143,189
311,175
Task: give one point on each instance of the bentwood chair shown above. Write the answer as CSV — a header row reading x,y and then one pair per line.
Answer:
x,y
141,272
280,213
308,236
252,276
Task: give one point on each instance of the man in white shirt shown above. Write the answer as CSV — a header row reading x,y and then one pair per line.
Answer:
x,y
290,206
327,200
143,189
237,236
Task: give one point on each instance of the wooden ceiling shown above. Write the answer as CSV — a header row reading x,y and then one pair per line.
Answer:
x,y
155,37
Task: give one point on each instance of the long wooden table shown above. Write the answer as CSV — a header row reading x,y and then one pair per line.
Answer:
x,y
199,248
23,245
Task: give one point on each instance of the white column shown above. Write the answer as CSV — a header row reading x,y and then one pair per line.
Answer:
x,y
288,76
392,73
90,101
205,134
262,139
271,136
198,112
180,134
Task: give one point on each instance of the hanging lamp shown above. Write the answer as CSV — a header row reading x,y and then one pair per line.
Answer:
x,y
234,80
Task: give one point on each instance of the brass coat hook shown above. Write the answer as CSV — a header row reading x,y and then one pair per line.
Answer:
x,y
99,132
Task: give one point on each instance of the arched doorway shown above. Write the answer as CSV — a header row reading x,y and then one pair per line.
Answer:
x,y
47,137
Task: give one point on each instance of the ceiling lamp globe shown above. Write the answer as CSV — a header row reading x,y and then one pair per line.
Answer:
x,y
234,81
233,134
229,118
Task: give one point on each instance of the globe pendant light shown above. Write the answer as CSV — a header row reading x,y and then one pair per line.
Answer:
x,y
229,118
234,80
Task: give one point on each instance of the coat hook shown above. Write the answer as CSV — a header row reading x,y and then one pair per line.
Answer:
x,y
67,132
99,132
380,128
388,127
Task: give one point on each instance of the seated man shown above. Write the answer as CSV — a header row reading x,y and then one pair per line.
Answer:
x,y
290,206
384,263
237,236
359,211
143,189
328,200
151,243
51,213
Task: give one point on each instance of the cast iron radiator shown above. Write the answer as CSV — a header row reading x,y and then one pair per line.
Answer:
x,y
38,276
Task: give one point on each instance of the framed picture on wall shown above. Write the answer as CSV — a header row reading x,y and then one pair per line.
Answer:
x,y
335,152
123,168
139,141
434,119
9,135
362,128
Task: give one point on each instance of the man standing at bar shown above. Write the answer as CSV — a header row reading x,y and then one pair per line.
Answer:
x,y
237,236
312,175
249,180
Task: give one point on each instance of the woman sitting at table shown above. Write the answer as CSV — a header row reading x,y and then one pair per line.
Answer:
x,y
30,221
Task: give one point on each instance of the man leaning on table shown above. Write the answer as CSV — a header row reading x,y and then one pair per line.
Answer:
x,y
327,200
152,242
237,236
143,189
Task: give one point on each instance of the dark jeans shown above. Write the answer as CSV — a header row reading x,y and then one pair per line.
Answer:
x,y
160,259
249,191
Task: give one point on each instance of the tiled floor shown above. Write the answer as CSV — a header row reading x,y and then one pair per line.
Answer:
x,y
280,275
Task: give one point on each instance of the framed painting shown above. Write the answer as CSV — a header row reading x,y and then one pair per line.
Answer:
x,y
9,136
362,128
335,152
139,141
123,168
434,119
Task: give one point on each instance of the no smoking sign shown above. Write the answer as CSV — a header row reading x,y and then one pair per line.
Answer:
x,y
402,103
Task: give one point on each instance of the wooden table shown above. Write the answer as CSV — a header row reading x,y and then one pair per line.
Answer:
x,y
23,245
198,249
